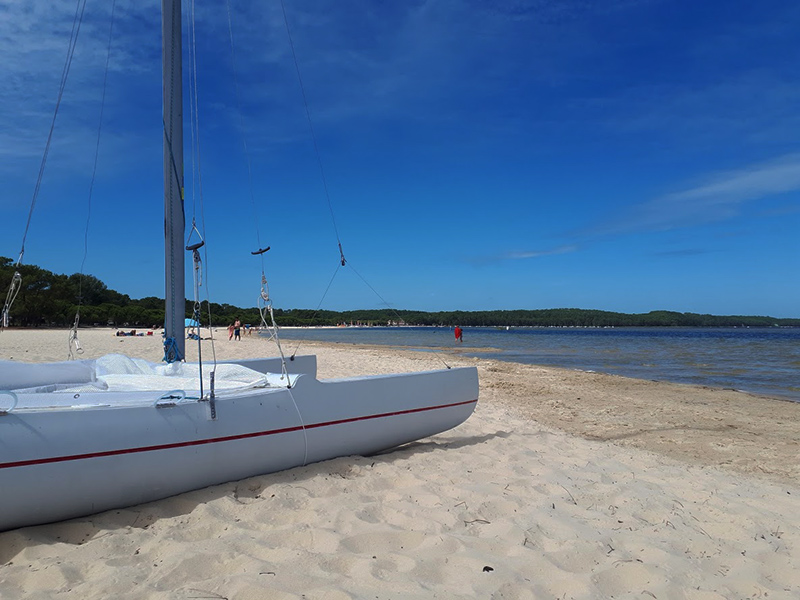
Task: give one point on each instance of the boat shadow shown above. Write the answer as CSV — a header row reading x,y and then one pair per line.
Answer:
x,y
432,445
77,532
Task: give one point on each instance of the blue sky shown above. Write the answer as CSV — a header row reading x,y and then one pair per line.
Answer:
x,y
620,155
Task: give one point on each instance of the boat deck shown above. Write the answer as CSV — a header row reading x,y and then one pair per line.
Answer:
x,y
89,396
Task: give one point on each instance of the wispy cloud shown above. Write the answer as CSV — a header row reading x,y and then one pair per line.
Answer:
x,y
751,106
719,198
428,59
538,253
679,253
34,37
523,255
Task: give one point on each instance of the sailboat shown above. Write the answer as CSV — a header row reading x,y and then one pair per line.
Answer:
x,y
82,437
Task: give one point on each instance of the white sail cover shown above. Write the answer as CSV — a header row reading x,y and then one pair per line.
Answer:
x,y
119,373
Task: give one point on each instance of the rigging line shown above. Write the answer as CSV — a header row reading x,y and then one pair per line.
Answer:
x,y
352,268
311,128
16,280
267,302
195,132
316,312
302,422
242,130
97,141
74,333
192,83
319,162
322,170
76,27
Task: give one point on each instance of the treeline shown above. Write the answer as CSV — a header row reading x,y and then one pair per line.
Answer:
x,y
563,317
46,299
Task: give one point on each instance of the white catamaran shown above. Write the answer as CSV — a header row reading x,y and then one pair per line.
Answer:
x,y
81,437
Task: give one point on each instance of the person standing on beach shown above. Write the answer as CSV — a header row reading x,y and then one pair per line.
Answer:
x,y
237,330
230,332
459,334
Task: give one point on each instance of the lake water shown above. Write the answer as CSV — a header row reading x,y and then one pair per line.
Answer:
x,y
764,361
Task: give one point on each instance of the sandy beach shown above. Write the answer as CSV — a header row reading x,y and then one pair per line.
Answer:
x,y
563,484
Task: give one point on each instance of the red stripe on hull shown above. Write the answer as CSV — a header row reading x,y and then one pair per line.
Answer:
x,y
56,459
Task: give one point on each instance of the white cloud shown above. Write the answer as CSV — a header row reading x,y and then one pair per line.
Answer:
x,y
719,198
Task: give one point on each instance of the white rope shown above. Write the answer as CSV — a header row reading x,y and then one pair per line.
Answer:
x,y
13,290
302,424
73,338
265,306
197,277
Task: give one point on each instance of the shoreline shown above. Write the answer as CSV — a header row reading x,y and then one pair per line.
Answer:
x,y
750,433
745,360
562,484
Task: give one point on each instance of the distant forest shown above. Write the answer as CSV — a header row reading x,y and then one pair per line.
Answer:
x,y
46,299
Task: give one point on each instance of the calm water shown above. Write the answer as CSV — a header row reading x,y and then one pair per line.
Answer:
x,y
765,361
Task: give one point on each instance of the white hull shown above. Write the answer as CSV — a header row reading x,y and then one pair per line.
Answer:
x,y
77,459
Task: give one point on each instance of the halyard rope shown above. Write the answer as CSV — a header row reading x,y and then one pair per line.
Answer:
x,y
195,129
197,184
264,301
313,133
74,342
197,279
73,41
342,259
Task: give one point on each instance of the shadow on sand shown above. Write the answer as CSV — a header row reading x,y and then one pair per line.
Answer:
x,y
84,529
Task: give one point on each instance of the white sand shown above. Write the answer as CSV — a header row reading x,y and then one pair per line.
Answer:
x,y
565,484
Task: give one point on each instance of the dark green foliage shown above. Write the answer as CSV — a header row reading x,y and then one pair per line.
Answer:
x,y
47,299
556,317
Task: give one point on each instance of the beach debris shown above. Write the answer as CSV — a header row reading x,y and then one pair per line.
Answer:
x,y
575,502
487,569
207,594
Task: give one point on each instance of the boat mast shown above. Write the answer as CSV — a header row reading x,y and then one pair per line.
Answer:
x,y
174,222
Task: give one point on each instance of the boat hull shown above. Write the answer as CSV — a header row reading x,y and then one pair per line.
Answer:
x,y
69,461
